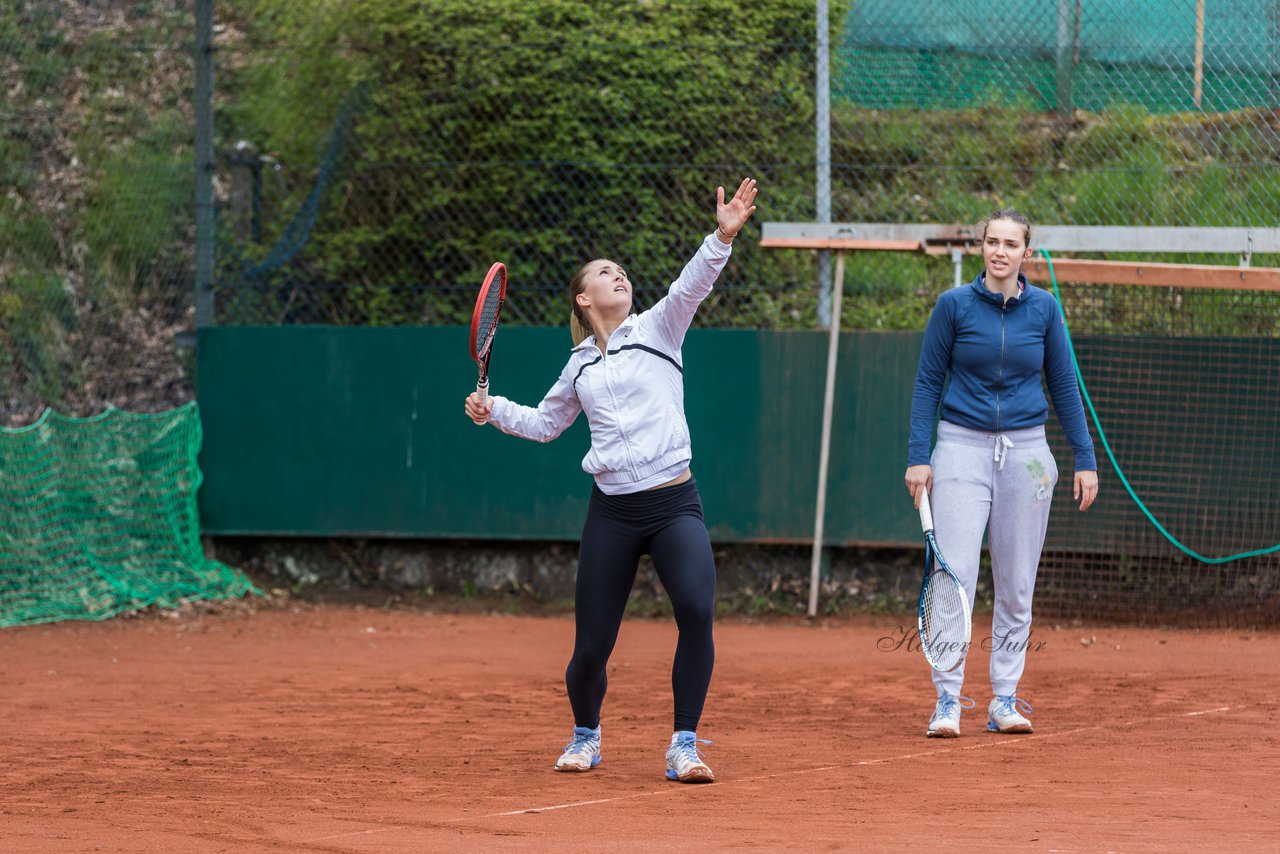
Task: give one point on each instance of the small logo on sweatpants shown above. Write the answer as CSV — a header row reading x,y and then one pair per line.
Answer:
x,y
1040,477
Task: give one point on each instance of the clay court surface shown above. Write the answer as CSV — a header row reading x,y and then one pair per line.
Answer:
x,y
341,728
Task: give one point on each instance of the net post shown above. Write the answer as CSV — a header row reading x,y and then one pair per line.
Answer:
x,y
822,153
824,454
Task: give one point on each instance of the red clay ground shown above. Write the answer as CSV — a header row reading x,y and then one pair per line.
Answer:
x,y
350,729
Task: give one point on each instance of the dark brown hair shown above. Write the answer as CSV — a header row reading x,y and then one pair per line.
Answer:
x,y
1010,214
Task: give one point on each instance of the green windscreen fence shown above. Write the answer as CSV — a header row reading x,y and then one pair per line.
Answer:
x,y
98,516
1164,55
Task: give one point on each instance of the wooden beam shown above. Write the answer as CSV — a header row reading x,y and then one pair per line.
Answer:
x,y
930,247
907,233
1163,275
941,238
848,243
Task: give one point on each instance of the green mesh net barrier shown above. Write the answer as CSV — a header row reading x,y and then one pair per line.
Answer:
x,y
98,517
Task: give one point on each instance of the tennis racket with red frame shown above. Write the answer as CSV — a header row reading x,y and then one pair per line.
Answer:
x,y
484,322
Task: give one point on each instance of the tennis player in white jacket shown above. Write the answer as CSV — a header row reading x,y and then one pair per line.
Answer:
x,y
626,374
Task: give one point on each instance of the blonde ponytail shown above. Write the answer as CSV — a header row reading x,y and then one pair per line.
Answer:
x,y
578,330
579,326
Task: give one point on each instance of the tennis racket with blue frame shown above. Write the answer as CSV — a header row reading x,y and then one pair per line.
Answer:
x,y
943,615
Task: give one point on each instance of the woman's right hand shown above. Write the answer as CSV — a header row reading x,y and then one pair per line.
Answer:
x,y
919,477
733,214
477,411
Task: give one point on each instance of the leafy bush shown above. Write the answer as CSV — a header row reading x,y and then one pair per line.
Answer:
x,y
542,133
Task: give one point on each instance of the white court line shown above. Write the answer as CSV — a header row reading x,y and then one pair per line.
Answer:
x,y
1021,739
348,833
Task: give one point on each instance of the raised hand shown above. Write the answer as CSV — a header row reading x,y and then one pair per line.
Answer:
x,y
732,215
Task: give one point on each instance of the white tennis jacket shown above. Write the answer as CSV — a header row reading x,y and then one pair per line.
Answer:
x,y
634,395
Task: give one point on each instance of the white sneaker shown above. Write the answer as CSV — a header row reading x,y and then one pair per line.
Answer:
x,y
582,753
1008,715
683,761
945,722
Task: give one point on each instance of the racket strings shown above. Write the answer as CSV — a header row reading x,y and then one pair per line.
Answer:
x,y
944,622
488,317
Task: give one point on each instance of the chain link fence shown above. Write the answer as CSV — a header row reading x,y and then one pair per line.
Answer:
x,y
1061,55
373,159
555,150
1098,112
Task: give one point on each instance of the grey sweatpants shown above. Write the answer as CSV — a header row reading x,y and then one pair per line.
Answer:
x,y
1001,483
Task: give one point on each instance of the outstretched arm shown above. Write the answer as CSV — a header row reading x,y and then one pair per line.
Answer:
x,y
542,424
670,316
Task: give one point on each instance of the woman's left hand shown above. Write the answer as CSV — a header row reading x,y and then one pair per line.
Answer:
x,y
732,215
1086,488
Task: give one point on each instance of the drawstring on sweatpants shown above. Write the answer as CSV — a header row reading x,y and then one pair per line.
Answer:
x,y
1002,446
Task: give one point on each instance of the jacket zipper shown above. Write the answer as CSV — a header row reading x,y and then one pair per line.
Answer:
x,y
1000,375
613,399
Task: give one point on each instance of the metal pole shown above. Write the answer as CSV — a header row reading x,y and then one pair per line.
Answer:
x,y
1064,58
824,454
204,162
822,157
1199,72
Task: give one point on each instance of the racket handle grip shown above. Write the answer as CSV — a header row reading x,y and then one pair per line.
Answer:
x,y
482,390
926,515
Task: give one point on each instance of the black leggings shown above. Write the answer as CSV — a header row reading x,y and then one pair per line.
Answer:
x,y
667,524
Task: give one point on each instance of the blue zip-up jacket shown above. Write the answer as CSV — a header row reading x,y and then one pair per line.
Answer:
x,y
995,352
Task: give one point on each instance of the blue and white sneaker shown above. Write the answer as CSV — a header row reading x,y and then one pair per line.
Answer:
x,y
683,760
582,753
945,722
1008,715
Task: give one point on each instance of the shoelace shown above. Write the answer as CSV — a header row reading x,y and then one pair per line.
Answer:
x,y
688,751
578,743
947,704
1013,704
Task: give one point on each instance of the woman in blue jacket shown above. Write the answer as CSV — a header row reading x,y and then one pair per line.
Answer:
x,y
991,469
626,374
